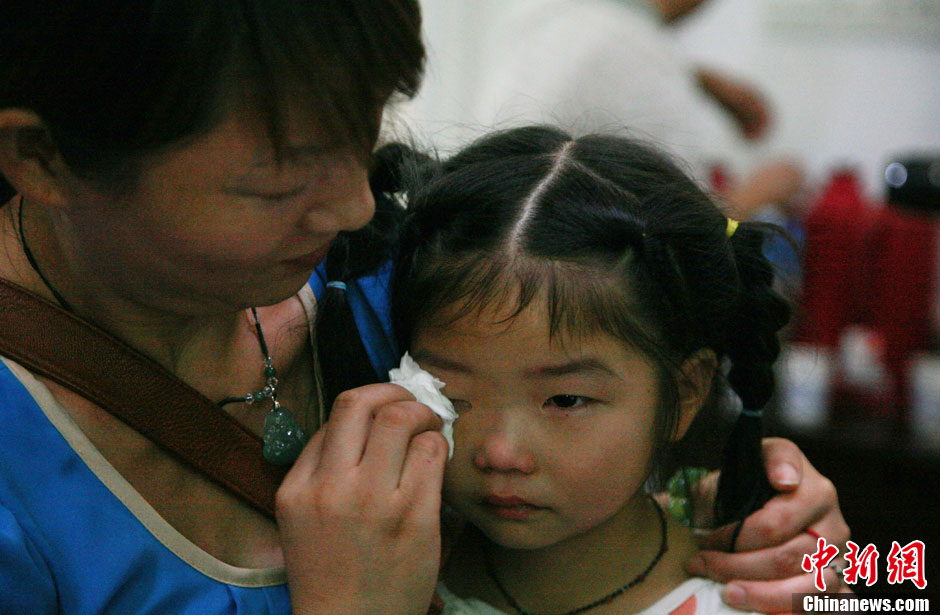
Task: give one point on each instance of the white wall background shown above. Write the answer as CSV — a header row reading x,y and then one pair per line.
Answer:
x,y
853,82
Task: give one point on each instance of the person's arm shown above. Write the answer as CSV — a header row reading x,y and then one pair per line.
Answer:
x,y
776,182
765,571
672,11
742,101
359,513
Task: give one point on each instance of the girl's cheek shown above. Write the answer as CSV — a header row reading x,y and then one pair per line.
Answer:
x,y
457,473
449,492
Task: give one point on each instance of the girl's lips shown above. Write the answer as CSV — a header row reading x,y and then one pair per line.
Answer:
x,y
513,508
496,500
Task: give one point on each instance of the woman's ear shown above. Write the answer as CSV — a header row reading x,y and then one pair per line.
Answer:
x,y
29,158
695,385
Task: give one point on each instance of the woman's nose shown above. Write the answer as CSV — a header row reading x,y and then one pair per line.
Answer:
x,y
354,208
349,208
505,446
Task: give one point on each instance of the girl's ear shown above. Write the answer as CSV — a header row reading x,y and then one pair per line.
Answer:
x,y
695,384
29,158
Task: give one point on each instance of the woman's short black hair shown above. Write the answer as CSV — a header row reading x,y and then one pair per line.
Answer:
x,y
117,79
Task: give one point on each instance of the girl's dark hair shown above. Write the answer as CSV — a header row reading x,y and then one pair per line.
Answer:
x,y
358,253
621,242
115,80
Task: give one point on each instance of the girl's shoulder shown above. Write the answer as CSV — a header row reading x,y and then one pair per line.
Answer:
x,y
695,596
455,605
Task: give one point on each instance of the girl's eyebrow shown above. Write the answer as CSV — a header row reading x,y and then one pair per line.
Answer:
x,y
590,365
425,358
578,366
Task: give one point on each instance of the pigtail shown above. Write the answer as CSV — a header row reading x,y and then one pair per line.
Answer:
x,y
345,363
752,347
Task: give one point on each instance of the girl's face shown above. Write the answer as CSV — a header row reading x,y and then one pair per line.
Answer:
x,y
217,224
553,439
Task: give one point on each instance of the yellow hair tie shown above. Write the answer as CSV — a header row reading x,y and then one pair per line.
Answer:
x,y
732,227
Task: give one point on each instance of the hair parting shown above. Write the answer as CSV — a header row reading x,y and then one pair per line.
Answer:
x,y
526,211
616,239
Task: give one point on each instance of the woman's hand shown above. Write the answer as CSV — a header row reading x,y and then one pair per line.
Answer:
x,y
359,513
766,569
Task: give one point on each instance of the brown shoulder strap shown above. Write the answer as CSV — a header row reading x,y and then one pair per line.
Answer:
x,y
62,347
56,344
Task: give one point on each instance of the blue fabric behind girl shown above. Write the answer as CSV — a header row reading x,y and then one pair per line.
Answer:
x,y
368,297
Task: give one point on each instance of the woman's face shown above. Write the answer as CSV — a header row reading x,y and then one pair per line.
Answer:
x,y
553,440
218,224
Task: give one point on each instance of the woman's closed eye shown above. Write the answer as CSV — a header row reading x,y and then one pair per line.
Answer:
x,y
278,195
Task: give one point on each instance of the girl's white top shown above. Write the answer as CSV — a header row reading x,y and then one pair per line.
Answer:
x,y
427,390
693,597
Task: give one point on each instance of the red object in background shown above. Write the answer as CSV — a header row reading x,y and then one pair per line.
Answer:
x,y
868,265
835,228
898,287
719,178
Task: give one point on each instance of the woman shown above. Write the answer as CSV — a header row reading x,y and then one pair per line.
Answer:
x,y
176,165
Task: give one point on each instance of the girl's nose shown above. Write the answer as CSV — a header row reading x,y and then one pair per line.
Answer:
x,y
505,447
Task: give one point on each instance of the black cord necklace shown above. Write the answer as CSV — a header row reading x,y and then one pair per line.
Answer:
x,y
491,572
32,262
283,438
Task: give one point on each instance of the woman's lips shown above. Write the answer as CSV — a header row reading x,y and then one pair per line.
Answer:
x,y
310,261
512,508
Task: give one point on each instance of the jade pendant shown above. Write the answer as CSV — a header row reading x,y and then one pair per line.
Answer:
x,y
283,437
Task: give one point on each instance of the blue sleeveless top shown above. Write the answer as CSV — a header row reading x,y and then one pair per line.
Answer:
x,y
75,537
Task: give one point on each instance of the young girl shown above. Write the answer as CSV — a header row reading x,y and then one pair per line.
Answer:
x,y
583,301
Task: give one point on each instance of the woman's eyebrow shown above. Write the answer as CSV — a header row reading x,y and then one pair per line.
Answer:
x,y
264,159
589,365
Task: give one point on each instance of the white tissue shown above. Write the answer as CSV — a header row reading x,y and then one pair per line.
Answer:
x,y
427,390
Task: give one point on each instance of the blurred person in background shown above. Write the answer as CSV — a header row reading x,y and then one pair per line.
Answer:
x,y
590,65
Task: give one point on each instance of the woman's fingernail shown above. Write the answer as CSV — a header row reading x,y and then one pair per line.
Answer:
x,y
787,475
696,566
734,595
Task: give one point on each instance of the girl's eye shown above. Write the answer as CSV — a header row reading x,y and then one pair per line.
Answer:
x,y
567,402
460,406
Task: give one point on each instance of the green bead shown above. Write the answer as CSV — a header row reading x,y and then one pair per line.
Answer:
x,y
270,372
258,396
283,437
680,487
